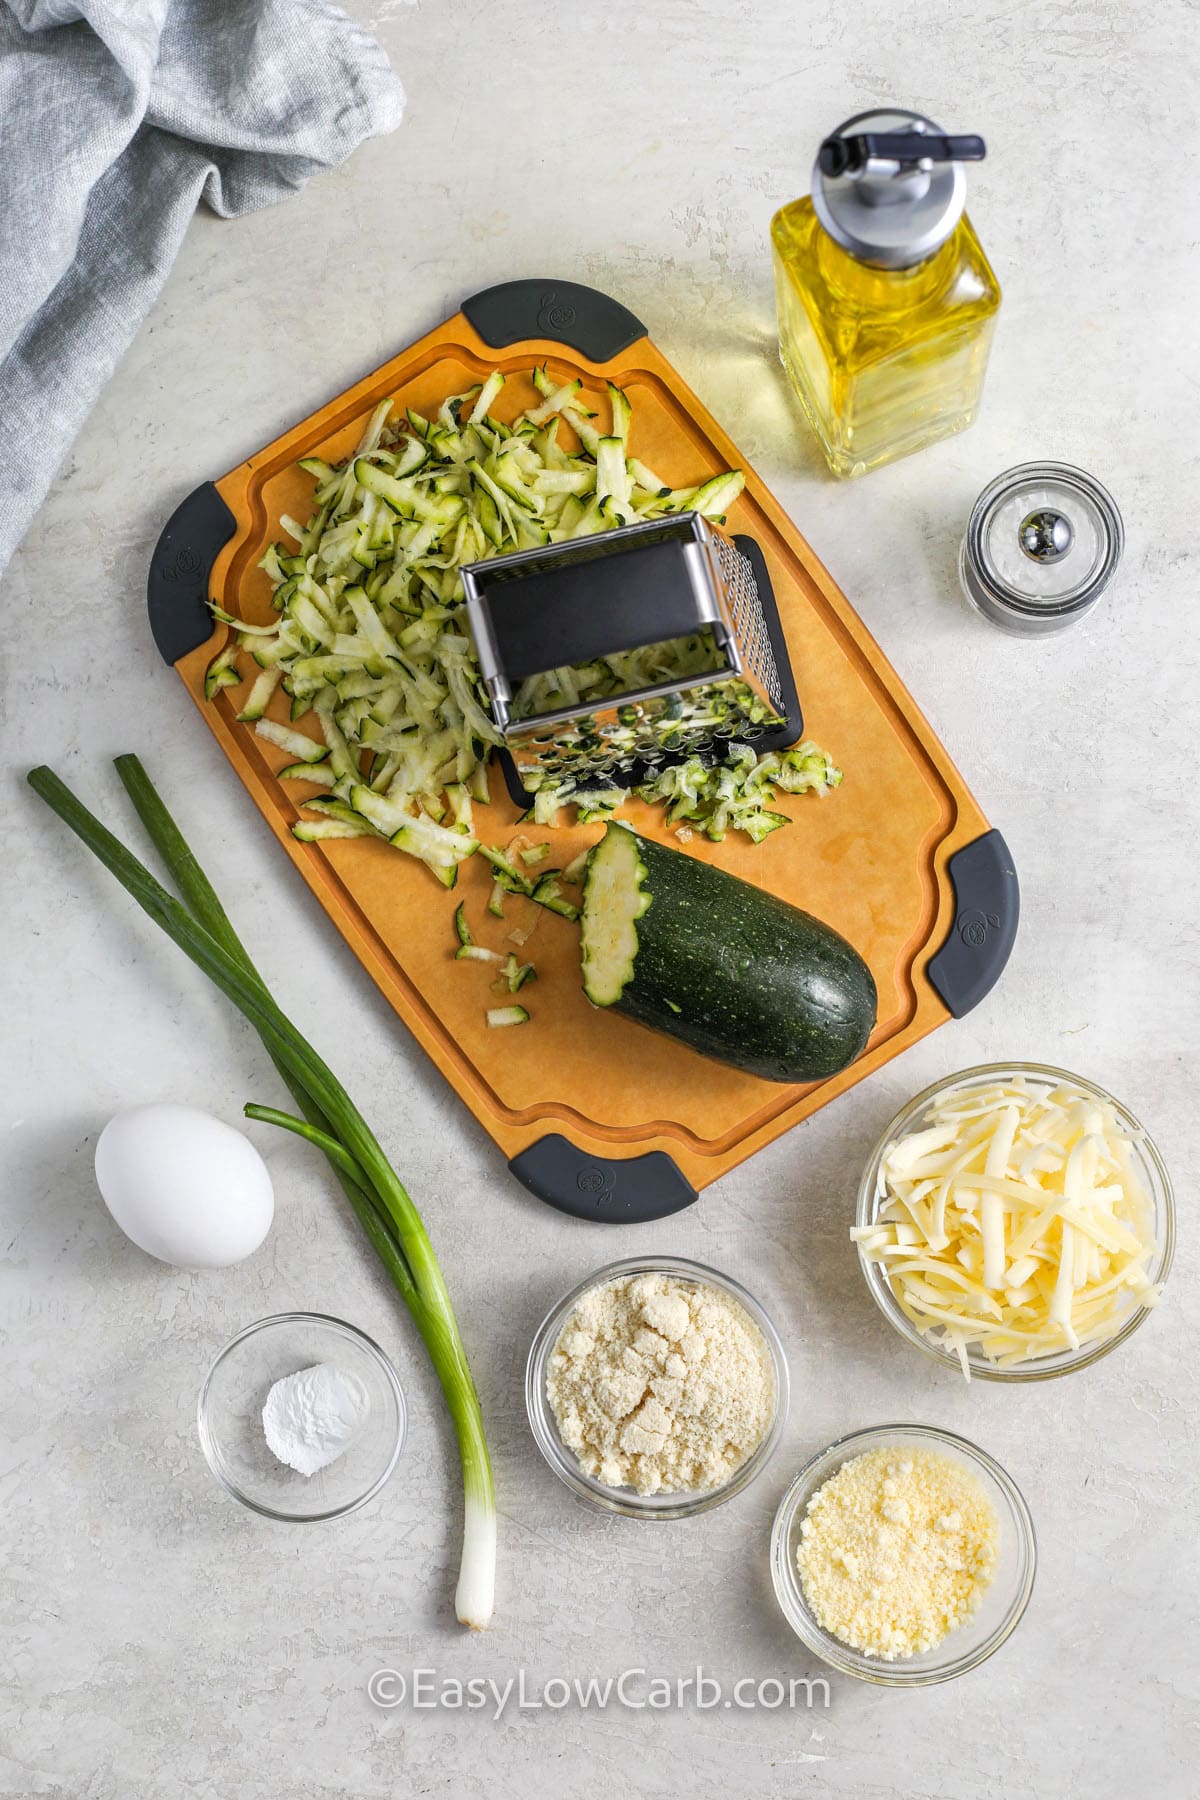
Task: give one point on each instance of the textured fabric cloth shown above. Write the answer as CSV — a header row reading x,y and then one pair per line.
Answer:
x,y
116,120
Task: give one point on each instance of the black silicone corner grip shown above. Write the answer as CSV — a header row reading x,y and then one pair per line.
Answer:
x,y
581,318
987,908
177,586
634,1192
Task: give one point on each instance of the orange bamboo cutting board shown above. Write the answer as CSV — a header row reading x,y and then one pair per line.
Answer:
x,y
597,1115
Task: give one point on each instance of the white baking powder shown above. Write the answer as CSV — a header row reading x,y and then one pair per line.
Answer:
x,y
311,1417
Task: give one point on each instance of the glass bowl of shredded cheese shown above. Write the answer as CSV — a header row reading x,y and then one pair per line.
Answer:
x,y
903,1555
1015,1221
657,1388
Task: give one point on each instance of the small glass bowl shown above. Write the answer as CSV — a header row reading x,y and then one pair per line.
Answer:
x,y
229,1418
1002,1605
626,1500
1151,1169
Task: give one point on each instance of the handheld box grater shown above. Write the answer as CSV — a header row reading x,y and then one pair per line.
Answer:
x,y
609,656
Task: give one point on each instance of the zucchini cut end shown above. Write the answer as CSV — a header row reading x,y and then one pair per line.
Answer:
x,y
613,901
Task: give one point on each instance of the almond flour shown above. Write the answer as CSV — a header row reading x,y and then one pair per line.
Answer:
x,y
661,1385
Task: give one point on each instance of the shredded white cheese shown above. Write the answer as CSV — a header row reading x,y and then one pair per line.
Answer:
x,y
1014,1222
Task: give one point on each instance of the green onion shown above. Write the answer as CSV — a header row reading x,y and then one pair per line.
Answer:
x,y
331,1122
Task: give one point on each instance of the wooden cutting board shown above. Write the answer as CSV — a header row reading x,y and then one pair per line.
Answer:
x,y
597,1115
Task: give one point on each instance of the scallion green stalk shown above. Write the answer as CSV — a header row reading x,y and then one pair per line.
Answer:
x,y
331,1121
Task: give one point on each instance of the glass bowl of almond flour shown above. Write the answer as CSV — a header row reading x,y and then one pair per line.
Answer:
x,y
657,1388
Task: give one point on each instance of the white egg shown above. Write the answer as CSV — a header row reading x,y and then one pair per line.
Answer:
x,y
185,1187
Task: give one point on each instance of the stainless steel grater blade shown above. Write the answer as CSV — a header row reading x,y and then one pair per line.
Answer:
x,y
605,656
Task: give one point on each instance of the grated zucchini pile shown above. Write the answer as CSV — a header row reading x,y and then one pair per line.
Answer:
x,y
372,637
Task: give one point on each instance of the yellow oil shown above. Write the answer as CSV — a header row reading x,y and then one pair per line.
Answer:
x,y
885,361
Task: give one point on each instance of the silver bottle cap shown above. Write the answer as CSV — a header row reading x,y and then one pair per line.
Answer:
x,y
1042,544
887,213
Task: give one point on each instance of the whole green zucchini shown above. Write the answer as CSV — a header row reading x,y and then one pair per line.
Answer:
x,y
738,974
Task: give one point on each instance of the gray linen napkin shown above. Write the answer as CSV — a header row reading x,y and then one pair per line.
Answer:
x,y
117,117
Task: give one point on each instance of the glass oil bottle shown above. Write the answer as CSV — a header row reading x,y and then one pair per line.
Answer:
x,y
886,300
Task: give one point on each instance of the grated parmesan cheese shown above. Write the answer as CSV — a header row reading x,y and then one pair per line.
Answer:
x,y
897,1550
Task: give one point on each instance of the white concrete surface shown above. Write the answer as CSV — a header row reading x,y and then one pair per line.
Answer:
x,y
159,1642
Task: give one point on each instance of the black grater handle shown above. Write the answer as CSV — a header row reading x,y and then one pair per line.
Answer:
x,y
177,586
987,909
631,1192
579,317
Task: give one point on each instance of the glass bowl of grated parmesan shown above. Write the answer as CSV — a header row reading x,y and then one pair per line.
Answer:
x,y
903,1555
657,1388
1015,1221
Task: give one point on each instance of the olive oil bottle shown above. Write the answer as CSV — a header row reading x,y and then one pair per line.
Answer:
x,y
886,300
